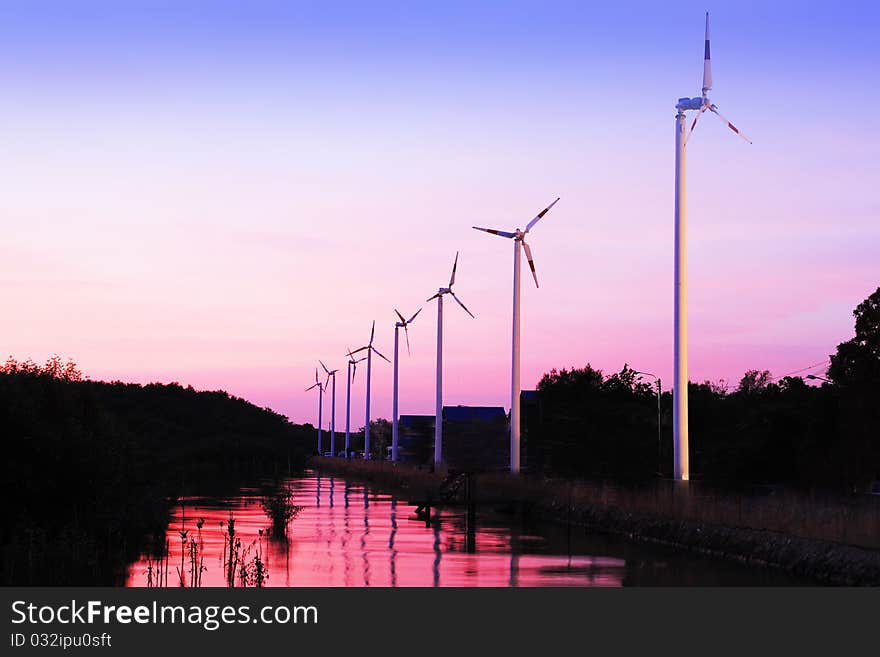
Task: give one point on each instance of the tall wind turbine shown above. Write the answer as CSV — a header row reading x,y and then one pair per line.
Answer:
x,y
370,349
352,369
394,421
438,410
680,409
519,238
332,374
321,387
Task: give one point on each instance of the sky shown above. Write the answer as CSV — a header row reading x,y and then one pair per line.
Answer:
x,y
222,193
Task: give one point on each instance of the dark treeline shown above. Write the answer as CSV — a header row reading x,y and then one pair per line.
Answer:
x,y
90,469
765,431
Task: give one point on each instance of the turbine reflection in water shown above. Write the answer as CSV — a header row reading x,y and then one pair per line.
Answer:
x,y
393,547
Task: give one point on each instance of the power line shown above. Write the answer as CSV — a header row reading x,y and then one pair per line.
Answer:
x,y
804,369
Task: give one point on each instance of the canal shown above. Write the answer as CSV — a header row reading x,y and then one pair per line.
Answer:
x,y
347,534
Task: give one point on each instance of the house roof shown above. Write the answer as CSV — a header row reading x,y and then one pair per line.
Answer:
x,y
471,413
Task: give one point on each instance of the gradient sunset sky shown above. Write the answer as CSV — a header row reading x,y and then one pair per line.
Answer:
x,y
221,193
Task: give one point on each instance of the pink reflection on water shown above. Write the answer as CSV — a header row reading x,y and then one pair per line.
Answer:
x,y
347,535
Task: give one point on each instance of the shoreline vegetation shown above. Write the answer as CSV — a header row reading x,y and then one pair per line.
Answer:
x,y
787,531
92,470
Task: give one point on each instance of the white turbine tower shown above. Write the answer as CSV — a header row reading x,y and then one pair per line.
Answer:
x,y
680,409
321,388
438,410
352,369
519,238
332,373
369,349
394,421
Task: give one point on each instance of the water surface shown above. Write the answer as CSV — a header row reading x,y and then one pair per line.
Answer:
x,y
348,534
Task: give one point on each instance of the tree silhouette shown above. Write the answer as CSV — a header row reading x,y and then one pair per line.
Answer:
x,y
857,361
855,371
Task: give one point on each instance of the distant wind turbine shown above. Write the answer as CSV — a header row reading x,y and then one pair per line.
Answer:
x,y
369,349
438,410
332,374
680,409
321,388
394,422
352,368
519,238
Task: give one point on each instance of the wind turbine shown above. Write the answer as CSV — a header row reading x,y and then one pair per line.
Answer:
x,y
438,410
332,373
321,387
680,409
352,369
519,238
394,421
369,349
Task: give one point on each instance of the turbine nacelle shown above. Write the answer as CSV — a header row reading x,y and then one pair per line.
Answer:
x,y
690,103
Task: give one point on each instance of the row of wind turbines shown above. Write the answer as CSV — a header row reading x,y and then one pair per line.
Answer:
x,y
699,105
518,237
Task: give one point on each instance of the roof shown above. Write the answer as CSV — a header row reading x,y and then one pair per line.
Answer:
x,y
408,420
471,413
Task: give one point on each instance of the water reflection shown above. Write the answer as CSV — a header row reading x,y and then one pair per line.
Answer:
x,y
438,553
392,551
384,542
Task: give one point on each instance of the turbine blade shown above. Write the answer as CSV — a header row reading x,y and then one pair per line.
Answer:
x,y
399,315
714,108
351,353
373,332
454,266
434,297
310,387
461,304
316,375
531,261
410,320
406,333
324,366
376,351
694,124
540,214
500,233
707,62
354,369
327,382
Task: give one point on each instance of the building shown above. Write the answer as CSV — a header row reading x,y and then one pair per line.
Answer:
x,y
530,430
476,438
415,439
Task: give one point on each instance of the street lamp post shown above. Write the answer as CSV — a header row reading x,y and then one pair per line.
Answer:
x,y
813,377
659,416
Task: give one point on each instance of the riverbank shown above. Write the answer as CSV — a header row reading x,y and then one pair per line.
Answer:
x,y
684,516
92,469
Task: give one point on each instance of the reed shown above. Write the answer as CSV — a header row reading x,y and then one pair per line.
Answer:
x,y
281,509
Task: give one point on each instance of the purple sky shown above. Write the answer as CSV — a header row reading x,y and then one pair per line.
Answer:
x,y
221,194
